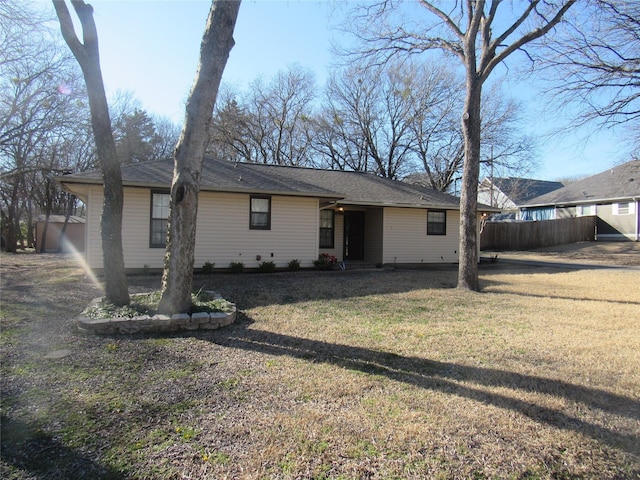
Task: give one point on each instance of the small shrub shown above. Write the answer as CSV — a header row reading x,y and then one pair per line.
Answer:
x,y
294,265
267,267
207,268
236,267
325,261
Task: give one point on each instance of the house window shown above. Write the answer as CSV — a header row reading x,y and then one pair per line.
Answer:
x,y
624,208
436,222
327,223
159,217
260,218
584,210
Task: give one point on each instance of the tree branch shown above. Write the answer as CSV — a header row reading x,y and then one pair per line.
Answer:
x,y
533,35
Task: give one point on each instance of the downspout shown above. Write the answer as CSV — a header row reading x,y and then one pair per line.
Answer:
x,y
637,200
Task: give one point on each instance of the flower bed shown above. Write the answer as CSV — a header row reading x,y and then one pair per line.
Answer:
x,y
157,323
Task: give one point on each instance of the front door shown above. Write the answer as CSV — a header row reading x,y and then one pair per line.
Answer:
x,y
354,235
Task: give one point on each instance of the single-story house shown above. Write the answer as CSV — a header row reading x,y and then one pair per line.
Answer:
x,y
613,196
252,212
509,192
72,240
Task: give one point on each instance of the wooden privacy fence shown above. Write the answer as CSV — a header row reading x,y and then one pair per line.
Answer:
x,y
543,233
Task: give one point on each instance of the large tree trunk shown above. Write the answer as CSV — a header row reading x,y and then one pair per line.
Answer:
x,y
88,56
217,42
471,127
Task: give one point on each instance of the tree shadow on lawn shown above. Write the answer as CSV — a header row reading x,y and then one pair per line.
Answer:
x,y
446,377
252,289
499,291
30,449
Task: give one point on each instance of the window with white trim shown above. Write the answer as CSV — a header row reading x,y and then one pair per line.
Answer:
x,y
584,210
624,208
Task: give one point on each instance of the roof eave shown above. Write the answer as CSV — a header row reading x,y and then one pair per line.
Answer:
x,y
372,203
204,188
589,201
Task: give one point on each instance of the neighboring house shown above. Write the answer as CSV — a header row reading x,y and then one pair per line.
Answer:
x,y
613,196
71,241
254,212
508,193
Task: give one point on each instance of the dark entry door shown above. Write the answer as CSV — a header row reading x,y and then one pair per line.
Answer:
x,y
354,235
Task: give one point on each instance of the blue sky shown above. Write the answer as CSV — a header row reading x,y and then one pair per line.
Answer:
x,y
150,47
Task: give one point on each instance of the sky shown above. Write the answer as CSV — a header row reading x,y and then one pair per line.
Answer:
x,y
151,47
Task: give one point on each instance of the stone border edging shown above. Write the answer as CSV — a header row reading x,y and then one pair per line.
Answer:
x,y
157,323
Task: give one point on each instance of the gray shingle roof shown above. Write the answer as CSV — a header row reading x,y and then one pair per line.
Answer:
x,y
617,183
520,190
349,188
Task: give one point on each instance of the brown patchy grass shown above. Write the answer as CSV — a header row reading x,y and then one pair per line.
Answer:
x,y
608,253
373,374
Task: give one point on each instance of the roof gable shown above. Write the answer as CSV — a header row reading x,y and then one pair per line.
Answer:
x,y
520,190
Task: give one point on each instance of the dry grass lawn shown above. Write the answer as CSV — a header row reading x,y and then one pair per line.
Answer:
x,y
330,375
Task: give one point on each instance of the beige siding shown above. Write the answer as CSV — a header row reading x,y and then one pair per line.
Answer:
x,y
393,235
136,221
406,239
135,230
223,233
610,224
618,226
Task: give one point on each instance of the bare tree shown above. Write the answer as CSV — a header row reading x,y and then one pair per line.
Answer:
x,y
481,39
165,137
230,135
368,109
437,99
87,55
217,42
596,66
18,23
505,150
336,144
40,85
270,122
397,118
